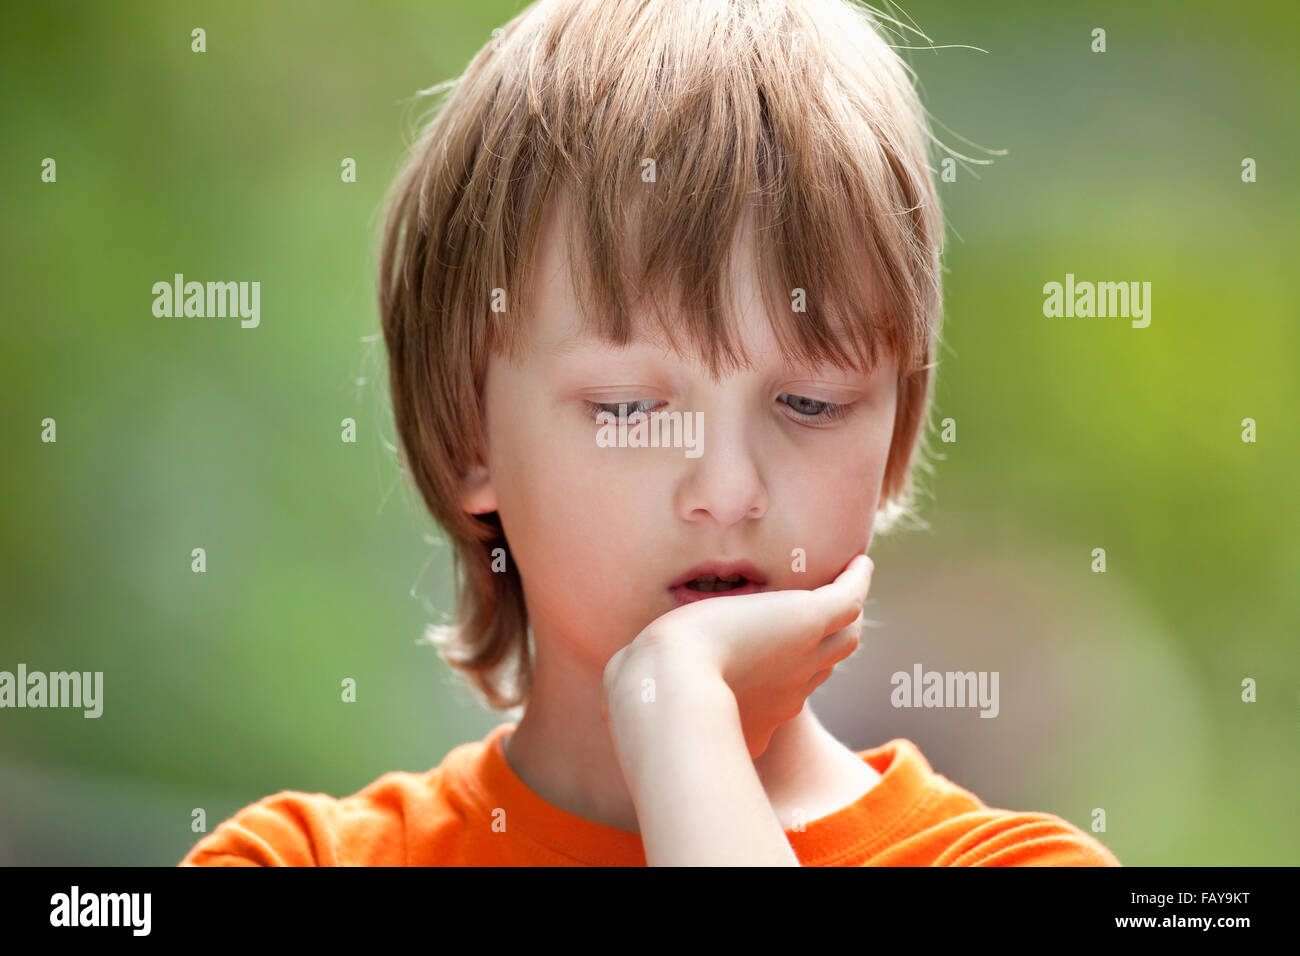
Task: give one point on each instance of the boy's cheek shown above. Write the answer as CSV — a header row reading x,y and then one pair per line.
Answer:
x,y
826,530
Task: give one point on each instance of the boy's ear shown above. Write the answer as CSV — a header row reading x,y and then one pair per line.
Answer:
x,y
476,494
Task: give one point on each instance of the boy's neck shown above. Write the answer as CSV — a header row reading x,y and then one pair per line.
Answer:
x,y
562,751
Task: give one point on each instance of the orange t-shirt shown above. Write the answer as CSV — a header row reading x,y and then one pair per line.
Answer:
x,y
445,817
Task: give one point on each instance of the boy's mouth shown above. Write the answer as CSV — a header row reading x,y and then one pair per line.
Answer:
x,y
716,579
710,583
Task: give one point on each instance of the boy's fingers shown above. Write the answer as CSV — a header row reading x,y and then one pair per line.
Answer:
x,y
860,581
817,680
845,595
840,644
831,607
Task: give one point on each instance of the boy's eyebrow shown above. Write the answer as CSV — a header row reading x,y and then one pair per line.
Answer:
x,y
576,340
580,338
570,343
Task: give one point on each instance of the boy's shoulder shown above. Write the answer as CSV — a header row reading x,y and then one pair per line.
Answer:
x,y
383,824
931,821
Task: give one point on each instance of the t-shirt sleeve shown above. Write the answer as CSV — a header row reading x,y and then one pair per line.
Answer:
x,y
1027,839
285,829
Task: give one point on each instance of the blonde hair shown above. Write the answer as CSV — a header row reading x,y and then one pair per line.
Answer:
x,y
669,123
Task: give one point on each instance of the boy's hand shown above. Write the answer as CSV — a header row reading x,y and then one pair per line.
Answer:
x,y
772,649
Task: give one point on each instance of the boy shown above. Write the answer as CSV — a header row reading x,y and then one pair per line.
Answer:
x,y
660,289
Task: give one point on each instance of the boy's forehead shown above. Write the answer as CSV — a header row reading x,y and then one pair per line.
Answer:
x,y
561,331
557,331
557,324
556,328
562,335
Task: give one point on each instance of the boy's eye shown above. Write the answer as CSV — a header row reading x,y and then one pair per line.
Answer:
x,y
613,408
812,409
809,409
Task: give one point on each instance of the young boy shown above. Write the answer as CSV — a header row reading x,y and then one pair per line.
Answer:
x,y
660,288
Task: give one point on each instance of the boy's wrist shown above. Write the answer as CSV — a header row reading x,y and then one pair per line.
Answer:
x,y
658,674
677,733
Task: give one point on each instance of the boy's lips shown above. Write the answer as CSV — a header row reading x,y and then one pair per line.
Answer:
x,y
754,580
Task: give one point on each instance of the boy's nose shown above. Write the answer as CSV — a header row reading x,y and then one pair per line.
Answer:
x,y
725,484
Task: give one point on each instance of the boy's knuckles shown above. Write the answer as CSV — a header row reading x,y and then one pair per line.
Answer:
x,y
812,620
817,680
791,710
838,646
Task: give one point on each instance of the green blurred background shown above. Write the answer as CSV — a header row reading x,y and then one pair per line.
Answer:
x,y
1119,691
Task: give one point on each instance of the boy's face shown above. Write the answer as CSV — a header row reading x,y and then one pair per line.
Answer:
x,y
600,533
